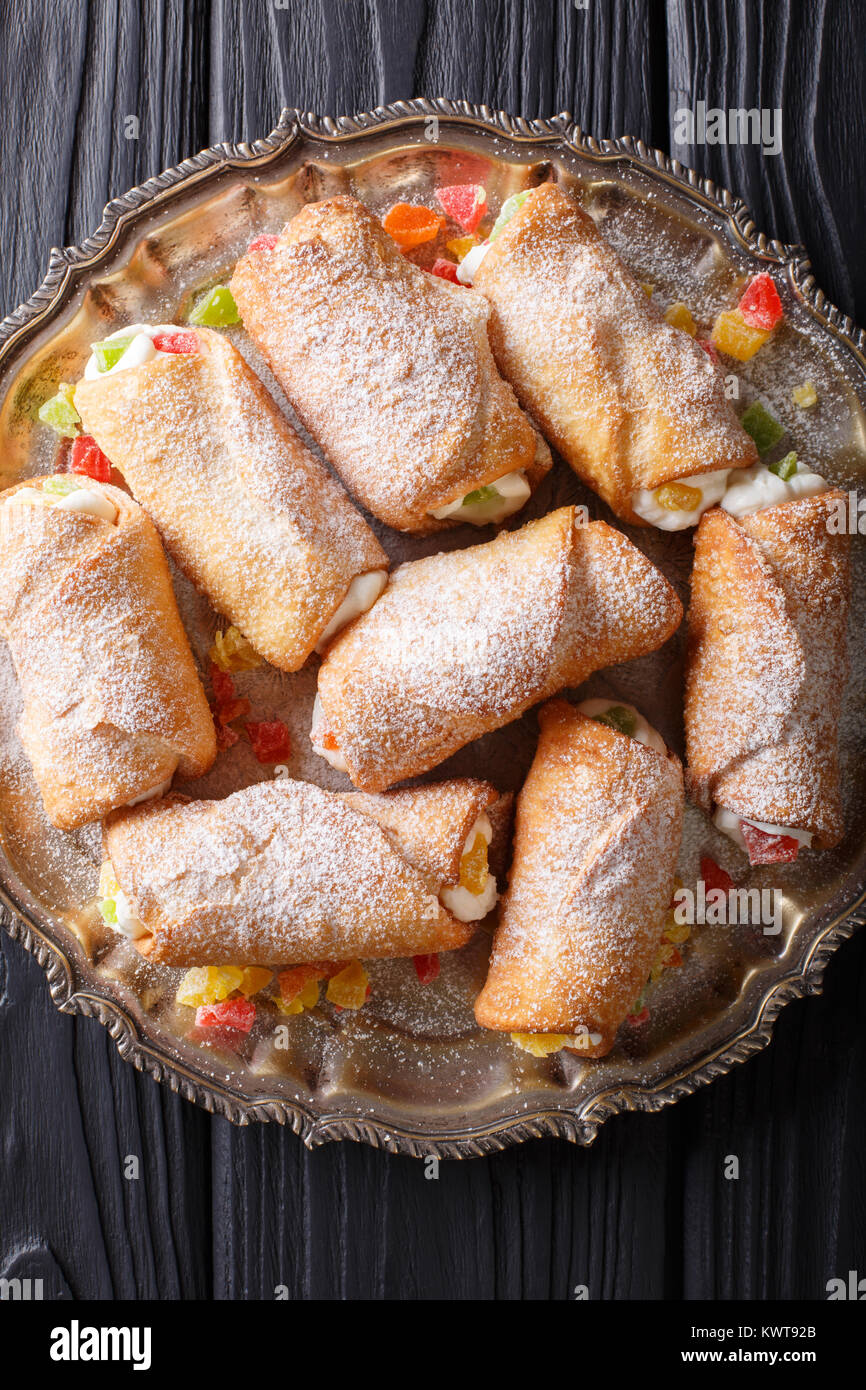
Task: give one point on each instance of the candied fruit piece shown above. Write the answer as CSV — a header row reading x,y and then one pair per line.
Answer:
x,y
784,468
216,309
732,335
87,459
60,414
714,876
618,717
444,270
255,977
426,968
460,246
208,984
270,740
804,396
473,866
678,497
760,304
679,315
412,226
306,998
465,203
541,1044
762,426
230,1013
765,848
232,652
349,988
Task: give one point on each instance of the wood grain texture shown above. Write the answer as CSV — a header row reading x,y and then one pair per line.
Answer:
x,y
230,1213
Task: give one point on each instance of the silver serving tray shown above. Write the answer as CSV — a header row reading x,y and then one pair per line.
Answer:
x,y
411,1072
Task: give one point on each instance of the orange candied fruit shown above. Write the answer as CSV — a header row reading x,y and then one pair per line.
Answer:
x,y
678,497
679,315
732,335
473,866
349,988
411,226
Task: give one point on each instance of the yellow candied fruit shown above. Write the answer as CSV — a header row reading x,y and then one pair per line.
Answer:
x,y
541,1044
732,335
667,957
676,932
232,652
108,884
349,987
804,396
307,998
208,984
648,289
473,866
679,315
677,497
255,977
461,246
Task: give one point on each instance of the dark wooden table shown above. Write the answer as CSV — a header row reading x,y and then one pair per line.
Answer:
x,y
219,1212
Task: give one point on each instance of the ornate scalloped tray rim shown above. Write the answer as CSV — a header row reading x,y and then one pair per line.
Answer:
x,y
66,991
578,1127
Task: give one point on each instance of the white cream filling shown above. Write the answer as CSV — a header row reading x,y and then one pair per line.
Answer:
x,y
360,597
643,730
466,906
512,491
159,790
331,755
468,267
128,924
740,491
711,486
752,489
140,350
729,823
81,498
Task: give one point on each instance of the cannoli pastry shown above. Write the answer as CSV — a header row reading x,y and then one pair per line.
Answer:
x,y
112,706
765,673
597,833
242,505
390,370
635,405
462,643
284,872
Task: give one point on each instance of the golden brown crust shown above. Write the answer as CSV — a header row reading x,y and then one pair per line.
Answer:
x,y
462,643
388,367
242,505
767,663
283,873
429,825
597,833
112,702
628,401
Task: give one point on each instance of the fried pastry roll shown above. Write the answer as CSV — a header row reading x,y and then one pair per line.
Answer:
x,y
462,643
597,833
766,669
634,405
112,703
285,873
242,505
390,370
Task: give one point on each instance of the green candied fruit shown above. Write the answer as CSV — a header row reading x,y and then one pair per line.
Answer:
x,y
61,487
216,309
784,468
480,496
108,911
59,412
762,426
109,352
618,717
507,211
